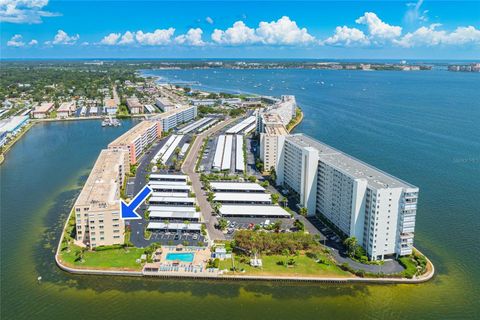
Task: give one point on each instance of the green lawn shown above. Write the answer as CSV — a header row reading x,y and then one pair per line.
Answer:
x,y
304,266
123,259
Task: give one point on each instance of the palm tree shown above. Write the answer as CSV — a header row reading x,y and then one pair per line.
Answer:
x,y
79,254
303,211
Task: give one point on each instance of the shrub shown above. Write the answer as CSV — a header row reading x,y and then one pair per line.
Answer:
x,y
360,273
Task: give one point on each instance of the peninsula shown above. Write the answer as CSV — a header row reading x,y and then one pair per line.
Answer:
x,y
236,195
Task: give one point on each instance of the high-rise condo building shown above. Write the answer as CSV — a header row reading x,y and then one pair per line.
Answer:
x,y
97,208
136,140
358,199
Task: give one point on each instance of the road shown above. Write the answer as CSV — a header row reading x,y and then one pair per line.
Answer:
x,y
188,168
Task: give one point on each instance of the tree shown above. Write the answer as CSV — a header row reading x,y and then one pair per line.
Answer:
x,y
222,224
275,198
273,175
80,254
303,211
299,225
277,226
351,246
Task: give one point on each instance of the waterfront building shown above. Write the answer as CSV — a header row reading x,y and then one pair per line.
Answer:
x,y
97,208
134,105
110,106
41,111
358,199
164,104
173,118
13,125
285,108
66,109
203,102
137,139
271,128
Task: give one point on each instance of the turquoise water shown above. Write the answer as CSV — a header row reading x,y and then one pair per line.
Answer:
x,y
422,127
184,257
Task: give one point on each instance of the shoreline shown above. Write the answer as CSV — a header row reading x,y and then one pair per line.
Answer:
x,y
17,138
297,122
35,121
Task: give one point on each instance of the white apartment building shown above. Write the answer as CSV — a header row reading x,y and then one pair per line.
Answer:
x,y
164,104
285,108
173,118
270,127
360,200
136,140
97,208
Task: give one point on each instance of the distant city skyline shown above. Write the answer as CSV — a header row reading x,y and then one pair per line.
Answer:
x,y
233,29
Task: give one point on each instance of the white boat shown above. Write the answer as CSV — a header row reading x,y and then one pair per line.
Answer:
x,y
111,122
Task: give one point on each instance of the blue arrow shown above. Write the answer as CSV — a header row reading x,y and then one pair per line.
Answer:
x,y
128,210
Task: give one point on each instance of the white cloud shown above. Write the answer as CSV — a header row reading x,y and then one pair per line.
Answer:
x,y
157,38
378,29
209,20
239,33
345,36
127,38
464,36
110,39
431,36
281,32
24,11
16,41
414,14
193,37
63,38
33,42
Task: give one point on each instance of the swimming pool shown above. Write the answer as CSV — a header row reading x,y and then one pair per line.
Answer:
x,y
184,256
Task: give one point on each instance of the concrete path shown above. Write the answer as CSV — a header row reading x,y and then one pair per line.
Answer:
x,y
188,168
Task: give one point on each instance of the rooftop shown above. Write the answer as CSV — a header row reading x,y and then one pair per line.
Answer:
x,y
248,186
166,114
174,215
132,134
109,103
171,209
44,107
350,165
242,196
102,187
235,210
67,106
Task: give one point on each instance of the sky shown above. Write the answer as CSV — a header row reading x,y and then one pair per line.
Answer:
x,y
238,29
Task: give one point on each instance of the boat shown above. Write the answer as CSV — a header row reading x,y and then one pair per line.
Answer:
x,y
111,122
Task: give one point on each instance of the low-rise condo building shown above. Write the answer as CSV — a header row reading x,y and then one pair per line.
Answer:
x,y
110,106
136,140
358,199
164,104
66,109
97,208
134,106
43,110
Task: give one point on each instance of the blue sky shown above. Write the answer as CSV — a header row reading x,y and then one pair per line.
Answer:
x,y
234,29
